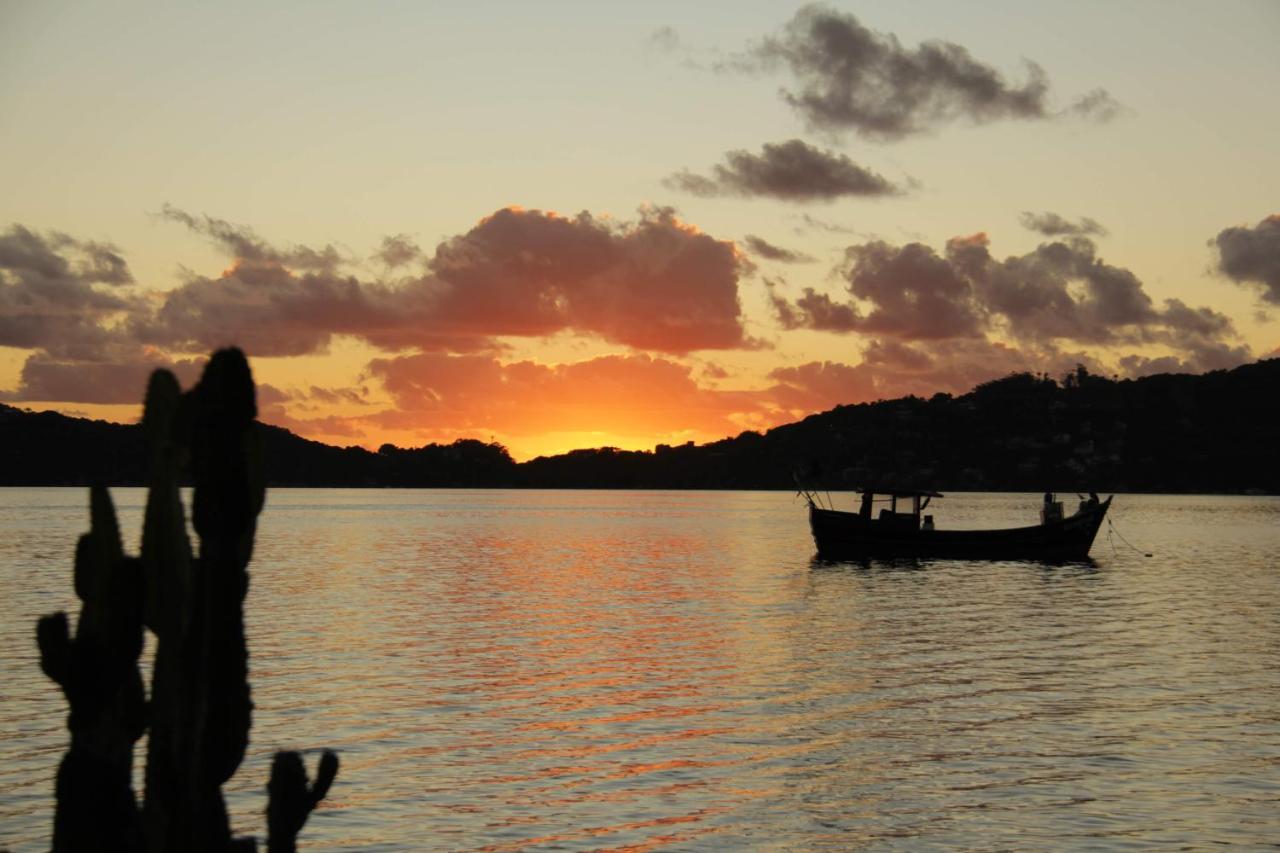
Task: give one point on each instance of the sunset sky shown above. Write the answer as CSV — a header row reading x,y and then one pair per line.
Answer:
x,y
560,225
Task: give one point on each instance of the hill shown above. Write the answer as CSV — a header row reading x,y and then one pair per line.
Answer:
x,y
1218,432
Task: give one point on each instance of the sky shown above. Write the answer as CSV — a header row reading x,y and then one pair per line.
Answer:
x,y
563,225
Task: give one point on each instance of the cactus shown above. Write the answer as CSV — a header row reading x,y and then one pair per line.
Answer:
x,y
200,709
98,672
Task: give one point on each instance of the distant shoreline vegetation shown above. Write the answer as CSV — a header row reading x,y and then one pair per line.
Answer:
x,y
1173,433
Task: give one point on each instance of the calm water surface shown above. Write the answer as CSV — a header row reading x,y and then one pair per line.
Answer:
x,y
639,670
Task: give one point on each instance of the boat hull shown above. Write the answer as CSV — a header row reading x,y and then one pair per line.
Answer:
x,y
849,536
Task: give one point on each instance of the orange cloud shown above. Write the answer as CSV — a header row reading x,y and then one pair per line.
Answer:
x,y
656,284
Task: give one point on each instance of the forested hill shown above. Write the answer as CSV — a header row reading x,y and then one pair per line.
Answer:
x,y
1219,432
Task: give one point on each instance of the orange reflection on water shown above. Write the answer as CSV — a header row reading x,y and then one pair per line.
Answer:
x,y
596,831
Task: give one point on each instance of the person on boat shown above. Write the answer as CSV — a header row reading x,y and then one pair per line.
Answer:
x,y
1052,511
865,509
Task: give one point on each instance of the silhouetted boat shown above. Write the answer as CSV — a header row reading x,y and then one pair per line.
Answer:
x,y
857,535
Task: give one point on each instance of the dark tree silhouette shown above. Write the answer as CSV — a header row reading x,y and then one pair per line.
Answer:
x,y
1169,433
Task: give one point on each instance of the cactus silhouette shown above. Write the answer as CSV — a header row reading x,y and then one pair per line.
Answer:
x,y
200,710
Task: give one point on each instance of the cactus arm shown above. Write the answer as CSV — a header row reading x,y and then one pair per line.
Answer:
x,y
54,639
291,800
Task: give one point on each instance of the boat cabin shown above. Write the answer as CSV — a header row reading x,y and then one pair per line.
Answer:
x,y
904,510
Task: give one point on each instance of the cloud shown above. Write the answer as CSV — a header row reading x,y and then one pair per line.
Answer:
x,y
664,39
69,302
851,78
1061,292
1252,256
1203,337
911,292
1053,225
61,294
122,379
816,311
311,396
656,283
398,251
789,171
296,410
350,396
1034,292
270,310
449,396
634,395
770,252
820,385
249,249
328,428
891,369
1096,106
812,223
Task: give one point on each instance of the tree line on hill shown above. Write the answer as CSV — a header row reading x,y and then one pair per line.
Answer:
x,y
1218,432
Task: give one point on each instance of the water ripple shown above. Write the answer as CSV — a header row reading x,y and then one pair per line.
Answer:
x,y
508,671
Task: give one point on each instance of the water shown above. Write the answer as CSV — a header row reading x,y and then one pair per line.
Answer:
x,y
636,670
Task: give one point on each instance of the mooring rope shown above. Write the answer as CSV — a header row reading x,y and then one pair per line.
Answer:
x,y
1111,528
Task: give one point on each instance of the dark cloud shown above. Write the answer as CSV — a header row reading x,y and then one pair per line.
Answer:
x,y
120,379
664,39
313,395
270,310
296,410
69,302
1034,292
770,252
247,247
891,369
350,396
1203,337
851,78
329,428
656,283
60,294
1059,292
398,251
790,171
102,262
714,371
812,223
896,355
817,311
911,293
58,256
667,42
269,394
820,385
1053,225
1098,106
1252,256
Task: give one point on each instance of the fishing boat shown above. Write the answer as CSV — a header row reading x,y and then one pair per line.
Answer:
x,y
905,533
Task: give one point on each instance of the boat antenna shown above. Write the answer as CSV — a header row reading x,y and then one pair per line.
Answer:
x,y
810,495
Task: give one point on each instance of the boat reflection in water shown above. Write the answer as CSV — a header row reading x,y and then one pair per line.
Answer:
x,y
896,534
